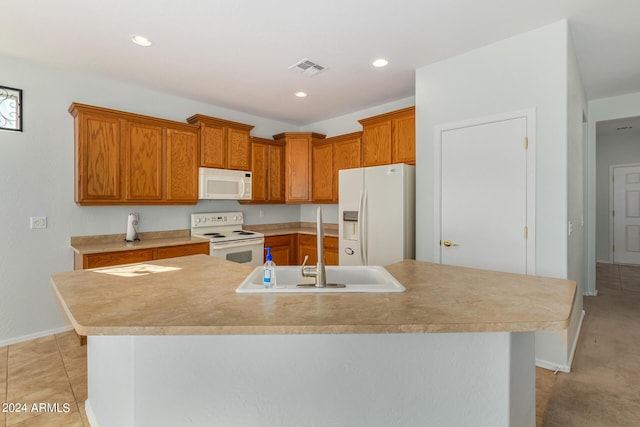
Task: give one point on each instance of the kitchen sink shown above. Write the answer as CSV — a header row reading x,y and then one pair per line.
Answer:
x,y
369,278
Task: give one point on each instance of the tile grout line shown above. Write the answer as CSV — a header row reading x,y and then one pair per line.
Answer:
x,y
66,372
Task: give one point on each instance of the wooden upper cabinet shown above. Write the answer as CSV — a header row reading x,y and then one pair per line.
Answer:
x,y
238,149
346,155
144,149
98,156
376,144
322,188
276,173
389,138
181,169
130,159
260,169
297,164
213,146
223,144
267,166
404,138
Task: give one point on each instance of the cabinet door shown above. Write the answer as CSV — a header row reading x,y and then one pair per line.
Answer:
x,y
376,144
307,247
404,139
260,171
213,146
276,173
181,173
109,259
322,172
143,160
183,250
346,155
98,158
330,248
238,149
282,249
298,157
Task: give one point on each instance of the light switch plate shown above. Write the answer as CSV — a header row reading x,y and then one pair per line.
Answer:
x,y
38,222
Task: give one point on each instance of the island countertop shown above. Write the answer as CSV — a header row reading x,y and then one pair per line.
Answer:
x,y
196,295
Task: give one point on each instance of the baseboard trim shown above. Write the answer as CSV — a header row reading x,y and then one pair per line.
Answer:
x,y
91,417
552,366
575,340
564,368
41,334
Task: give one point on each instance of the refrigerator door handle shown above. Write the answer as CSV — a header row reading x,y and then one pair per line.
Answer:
x,y
361,226
365,230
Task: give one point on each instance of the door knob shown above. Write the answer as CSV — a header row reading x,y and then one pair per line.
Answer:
x,y
448,243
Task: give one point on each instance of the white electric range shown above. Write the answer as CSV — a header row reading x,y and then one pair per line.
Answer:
x,y
228,240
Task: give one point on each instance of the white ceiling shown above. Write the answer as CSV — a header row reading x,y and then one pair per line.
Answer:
x,y
236,54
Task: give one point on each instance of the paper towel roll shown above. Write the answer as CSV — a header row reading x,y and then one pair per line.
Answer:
x,y
132,234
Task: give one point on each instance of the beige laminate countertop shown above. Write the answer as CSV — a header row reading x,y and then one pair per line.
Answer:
x,y
199,298
330,230
84,245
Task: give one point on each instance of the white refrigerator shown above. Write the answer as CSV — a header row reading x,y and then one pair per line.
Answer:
x,y
376,214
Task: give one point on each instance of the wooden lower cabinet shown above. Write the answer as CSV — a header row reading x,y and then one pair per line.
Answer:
x,y
182,250
290,249
307,247
283,248
108,259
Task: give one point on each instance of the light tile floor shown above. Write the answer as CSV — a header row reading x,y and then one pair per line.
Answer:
x,y
43,382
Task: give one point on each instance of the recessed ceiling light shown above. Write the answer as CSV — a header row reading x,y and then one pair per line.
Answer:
x,y
381,62
301,94
140,40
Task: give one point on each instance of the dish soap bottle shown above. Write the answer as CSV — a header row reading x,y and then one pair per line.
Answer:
x,y
269,273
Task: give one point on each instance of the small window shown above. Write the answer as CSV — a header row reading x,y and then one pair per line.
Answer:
x,y
10,109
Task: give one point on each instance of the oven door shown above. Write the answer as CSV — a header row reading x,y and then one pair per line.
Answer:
x,y
248,251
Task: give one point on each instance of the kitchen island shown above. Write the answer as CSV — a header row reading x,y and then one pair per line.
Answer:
x,y
173,344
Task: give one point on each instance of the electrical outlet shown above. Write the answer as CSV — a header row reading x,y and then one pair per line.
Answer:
x,y
38,222
261,212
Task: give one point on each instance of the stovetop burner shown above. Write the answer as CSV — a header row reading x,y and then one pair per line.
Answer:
x,y
243,233
214,235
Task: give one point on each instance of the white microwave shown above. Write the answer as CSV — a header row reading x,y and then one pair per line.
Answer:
x,y
224,184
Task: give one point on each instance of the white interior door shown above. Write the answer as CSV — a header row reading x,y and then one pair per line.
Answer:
x,y
626,214
483,189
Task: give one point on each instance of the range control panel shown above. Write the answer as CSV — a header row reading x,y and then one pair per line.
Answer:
x,y
213,219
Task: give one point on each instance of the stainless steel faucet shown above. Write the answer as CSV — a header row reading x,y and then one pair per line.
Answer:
x,y
318,272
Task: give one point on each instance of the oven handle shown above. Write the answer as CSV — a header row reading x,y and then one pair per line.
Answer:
x,y
226,245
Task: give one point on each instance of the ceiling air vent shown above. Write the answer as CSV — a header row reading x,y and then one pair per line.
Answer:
x,y
307,67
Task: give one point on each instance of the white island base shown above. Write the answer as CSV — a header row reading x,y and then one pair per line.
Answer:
x,y
412,379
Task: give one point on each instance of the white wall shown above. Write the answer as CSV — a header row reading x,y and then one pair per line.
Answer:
x,y
576,195
523,72
36,168
620,149
600,110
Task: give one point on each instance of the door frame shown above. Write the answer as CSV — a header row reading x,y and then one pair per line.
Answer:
x,y
530,116
611,206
